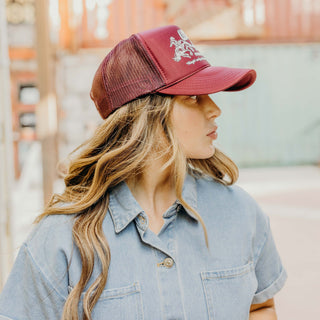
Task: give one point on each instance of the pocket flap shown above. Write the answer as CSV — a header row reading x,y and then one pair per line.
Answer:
x,y
228,273
116,292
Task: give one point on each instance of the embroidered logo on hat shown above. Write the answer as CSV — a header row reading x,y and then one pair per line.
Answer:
x,y
185,48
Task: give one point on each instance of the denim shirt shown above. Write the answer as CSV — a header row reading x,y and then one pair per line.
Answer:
x,y
171,275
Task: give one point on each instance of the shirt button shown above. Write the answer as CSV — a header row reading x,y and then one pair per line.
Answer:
x,y
168,262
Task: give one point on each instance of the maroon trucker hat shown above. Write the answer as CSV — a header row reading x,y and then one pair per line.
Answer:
x,y
160,60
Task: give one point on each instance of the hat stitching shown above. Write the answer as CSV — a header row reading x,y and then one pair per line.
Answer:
x,y
185,77
105,84
154,60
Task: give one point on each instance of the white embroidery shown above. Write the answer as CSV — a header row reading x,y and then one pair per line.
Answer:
x,y
184,48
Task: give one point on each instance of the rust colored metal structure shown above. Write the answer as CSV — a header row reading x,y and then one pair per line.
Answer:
x,y
204,20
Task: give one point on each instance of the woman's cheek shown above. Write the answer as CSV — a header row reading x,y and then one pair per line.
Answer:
x,y
198,149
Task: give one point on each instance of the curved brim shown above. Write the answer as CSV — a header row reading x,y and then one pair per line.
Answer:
x,y
213,79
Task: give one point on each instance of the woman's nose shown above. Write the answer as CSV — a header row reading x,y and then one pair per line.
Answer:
x,y
213,111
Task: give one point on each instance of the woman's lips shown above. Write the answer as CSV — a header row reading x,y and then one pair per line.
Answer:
x,y
213,134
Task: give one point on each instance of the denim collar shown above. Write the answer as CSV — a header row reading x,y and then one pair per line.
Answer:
x,y
124,208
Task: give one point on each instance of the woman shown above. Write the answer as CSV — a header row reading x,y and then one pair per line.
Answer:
x,y
151,224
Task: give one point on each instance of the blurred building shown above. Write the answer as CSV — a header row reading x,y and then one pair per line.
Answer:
x,y
93,24
23,67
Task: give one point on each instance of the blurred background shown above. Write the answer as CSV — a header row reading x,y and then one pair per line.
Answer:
x,y
50,50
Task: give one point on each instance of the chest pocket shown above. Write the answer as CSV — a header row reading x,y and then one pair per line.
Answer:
x,y
229,292
123,303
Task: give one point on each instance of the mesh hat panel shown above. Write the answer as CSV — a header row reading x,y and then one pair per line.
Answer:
x,y
98,93
128,72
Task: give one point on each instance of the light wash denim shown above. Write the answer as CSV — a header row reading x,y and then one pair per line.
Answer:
x,y
171,275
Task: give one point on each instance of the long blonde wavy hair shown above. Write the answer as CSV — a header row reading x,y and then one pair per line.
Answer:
x,y
117,152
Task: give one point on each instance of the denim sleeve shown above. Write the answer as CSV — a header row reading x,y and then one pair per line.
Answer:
x,y
269,270
28,294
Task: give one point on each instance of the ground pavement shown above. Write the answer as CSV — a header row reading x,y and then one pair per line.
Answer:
x,y
291,198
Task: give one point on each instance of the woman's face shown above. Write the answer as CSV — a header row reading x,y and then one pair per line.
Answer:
x,y
193,120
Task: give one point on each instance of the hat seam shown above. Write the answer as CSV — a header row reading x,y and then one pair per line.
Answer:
x,y
186,77
225,87
128,84
105,85
152,57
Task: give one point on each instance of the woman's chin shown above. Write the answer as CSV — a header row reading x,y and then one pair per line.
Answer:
x,y
212,150
203,155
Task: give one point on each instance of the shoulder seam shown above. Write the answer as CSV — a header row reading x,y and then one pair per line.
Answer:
x,y
42,273
37,226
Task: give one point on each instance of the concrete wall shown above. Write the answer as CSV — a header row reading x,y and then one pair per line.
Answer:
x,y
277,120
77,113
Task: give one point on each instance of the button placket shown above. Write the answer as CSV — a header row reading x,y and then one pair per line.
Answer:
x,y
142,221
167,262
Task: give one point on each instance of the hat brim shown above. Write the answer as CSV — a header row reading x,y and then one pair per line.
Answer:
x,y
213,79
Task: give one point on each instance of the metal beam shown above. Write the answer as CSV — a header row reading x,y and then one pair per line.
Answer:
x,y
6,153
46,112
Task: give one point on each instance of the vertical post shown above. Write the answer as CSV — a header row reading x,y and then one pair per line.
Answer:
x,y
46,111
6,153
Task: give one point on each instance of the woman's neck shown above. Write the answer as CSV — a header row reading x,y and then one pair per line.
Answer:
x,y
154,189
